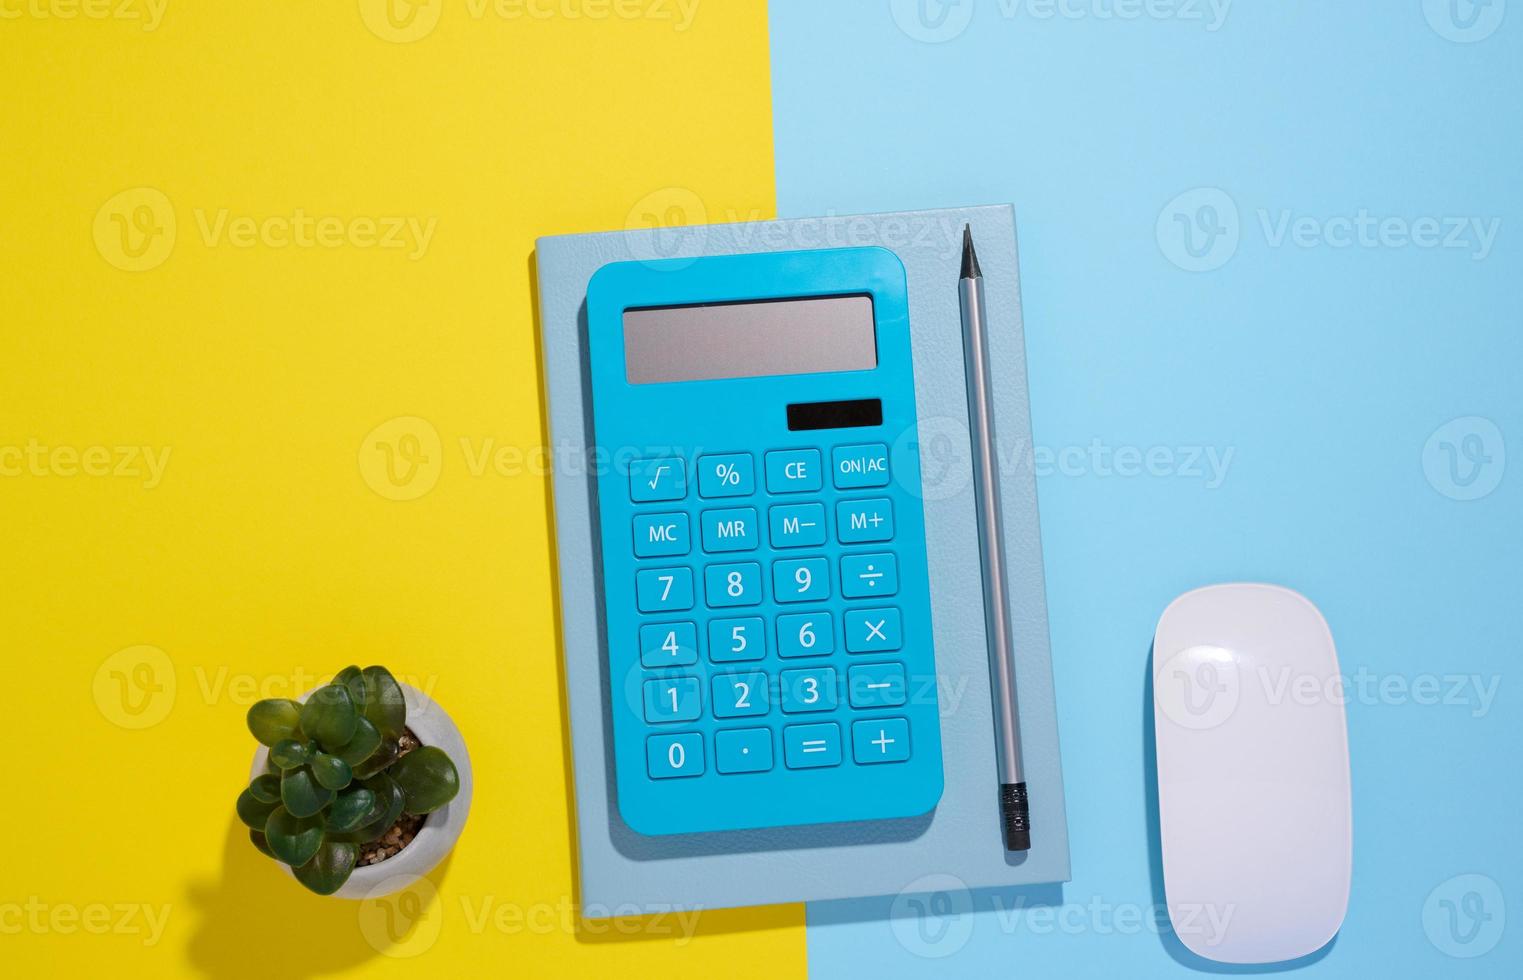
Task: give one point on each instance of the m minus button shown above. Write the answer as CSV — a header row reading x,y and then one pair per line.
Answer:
x,y
797,525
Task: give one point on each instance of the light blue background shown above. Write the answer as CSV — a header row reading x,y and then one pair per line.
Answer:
x,y
1323,370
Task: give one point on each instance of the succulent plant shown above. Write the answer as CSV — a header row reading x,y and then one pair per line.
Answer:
x,y
336,778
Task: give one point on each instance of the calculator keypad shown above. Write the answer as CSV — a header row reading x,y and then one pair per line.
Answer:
x,y
776,661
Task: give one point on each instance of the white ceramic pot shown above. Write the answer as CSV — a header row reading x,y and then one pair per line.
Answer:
x,y
437,837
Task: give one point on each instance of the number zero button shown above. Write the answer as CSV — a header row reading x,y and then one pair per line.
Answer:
x,y
667,756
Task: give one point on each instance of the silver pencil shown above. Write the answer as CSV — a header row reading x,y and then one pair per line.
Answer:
x,y
1015,812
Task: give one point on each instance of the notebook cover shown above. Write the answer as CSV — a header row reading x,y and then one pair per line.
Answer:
x,y
622,872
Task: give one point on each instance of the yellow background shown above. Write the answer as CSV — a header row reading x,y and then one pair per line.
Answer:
x,y
143,614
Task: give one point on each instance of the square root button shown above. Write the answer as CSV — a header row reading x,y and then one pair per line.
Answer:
x,y
860,466
662,478
880,740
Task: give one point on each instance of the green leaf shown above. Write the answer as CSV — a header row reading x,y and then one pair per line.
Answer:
x,y
329,716
265,789
384,755
293,839
290,754
352,681
261,842
390,799
273,719
384,705
353,809
331,772
252,810
359,748
427,777
329,868
302,795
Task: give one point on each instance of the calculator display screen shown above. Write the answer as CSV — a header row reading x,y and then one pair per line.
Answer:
x,y
749,339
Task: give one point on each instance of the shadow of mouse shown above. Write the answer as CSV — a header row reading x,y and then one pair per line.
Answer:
x,y
258,921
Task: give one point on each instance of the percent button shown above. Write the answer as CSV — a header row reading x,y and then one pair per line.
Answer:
x,y
726,475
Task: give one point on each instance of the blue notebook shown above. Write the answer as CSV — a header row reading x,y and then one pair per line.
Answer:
x,y
619,867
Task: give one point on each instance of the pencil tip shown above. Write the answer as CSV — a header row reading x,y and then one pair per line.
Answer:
x,y
970,268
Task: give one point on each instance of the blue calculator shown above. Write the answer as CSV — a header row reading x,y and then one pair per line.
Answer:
x,y
767,603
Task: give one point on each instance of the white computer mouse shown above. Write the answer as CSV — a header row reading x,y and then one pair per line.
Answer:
x,y
1253,773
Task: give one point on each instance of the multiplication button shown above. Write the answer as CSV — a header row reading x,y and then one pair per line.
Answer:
x,y
869,575
856,467
865,520
873,630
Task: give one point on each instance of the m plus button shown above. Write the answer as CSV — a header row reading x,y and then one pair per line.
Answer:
x,y
865,520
